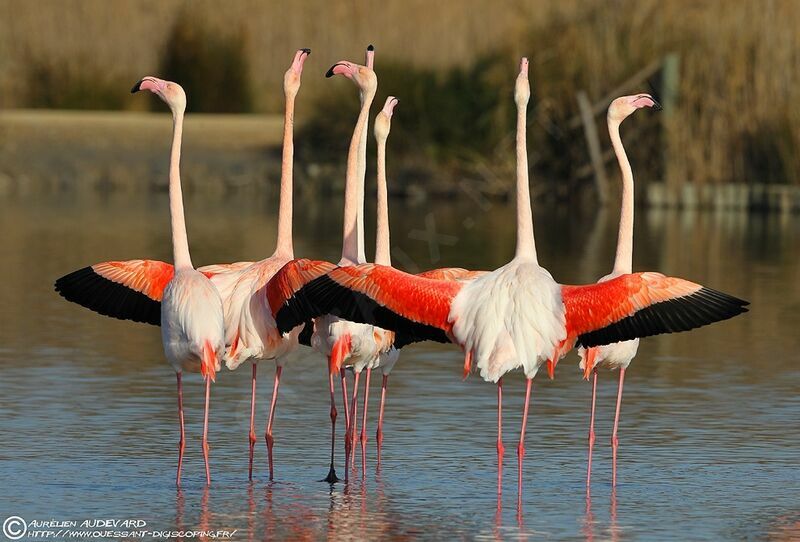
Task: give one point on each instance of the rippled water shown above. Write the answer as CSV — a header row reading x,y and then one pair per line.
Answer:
x,y
709,438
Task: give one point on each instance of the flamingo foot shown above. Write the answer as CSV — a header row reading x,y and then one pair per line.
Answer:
x,y
331,478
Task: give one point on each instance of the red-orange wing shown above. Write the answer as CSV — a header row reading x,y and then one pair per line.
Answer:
x,y
417,299
128,290
641,305
289,280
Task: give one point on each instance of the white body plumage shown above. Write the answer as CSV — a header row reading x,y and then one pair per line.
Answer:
x,y
367,342
191,315
251,333
509,318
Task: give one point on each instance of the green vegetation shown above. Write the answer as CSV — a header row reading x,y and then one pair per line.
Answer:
x,y
736,119
212,67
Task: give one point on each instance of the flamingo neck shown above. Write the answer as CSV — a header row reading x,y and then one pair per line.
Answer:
x,y
284,246
362,176
353,241
382,253
180,241
623,261
526,245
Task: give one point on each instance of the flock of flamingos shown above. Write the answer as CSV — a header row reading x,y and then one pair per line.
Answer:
x,y
358,314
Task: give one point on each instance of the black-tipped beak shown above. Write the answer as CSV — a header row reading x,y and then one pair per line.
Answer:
x,y
370,47
654,95
330,73
135,87
306,50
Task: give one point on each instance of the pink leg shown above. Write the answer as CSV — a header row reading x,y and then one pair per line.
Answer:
x,y
342,375
364,423
252,420
379,432
521,445
591,428
614,440
182,442
354,421
500,447
205,431
268,435
332,478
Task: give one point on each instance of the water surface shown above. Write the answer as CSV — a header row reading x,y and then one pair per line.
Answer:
x,y
709,438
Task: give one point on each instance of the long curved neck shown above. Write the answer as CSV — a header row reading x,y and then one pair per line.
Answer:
x,y
353,242
180,242
623,261
526,245
362,176
284,246
382,253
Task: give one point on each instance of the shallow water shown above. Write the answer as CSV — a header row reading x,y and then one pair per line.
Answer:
x,y
709,437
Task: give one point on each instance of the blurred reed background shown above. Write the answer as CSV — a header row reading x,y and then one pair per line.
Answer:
x,y
736,117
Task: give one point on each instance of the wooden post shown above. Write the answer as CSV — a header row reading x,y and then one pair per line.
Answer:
x,y
593,144
670,74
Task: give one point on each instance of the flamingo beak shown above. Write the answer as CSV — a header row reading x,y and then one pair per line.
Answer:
x,y
341,68
300,58
645,100
148,83
370,56
388,108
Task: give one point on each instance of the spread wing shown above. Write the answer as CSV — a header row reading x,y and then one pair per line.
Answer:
x,y
641,305
128,290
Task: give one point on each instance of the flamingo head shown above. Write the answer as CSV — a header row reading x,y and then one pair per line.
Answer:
x,y
291,80
522,89
170,93
362,76
622,107
383,121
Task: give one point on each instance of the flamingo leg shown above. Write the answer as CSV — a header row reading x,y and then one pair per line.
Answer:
x,y
521,445
379,432
271,419
205,431
614,440
500,447
332,478
363,437
354,422
252,436
342,376
591,428
182,441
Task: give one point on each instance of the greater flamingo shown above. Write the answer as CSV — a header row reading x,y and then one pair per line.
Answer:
x,y
515,316
250,329
360,345
340,340
616,355
192,327
133,289
386,360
